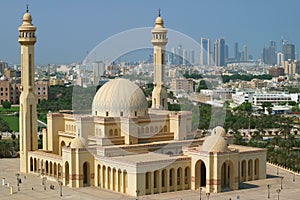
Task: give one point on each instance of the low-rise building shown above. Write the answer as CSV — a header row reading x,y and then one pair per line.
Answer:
x,y
182,85
10,90
258,99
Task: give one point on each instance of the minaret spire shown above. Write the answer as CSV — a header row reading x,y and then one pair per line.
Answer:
x,y
27,8
28,100
159,41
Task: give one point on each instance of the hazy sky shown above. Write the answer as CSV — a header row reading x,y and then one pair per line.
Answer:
x,y
68,29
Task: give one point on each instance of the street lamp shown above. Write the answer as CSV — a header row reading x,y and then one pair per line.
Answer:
x,y
137,194
294,177
281,178
207,195
60,187
278,191
269,186
200,190
18,181
44,178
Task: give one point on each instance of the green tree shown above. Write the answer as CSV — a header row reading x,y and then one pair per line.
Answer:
x,y
244,107
13,136
202,86
6,104
3,125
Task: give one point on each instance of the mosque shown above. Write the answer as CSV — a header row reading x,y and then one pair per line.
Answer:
x,y
124,146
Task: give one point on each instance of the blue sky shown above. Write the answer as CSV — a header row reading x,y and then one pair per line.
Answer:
x,y
68,29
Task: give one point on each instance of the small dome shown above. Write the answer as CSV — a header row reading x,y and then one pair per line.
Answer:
x,y
119,98
27,17
78,143
3,78
216,142
159,22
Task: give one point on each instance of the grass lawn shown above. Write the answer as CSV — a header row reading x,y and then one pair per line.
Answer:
x,y
11,110
13,122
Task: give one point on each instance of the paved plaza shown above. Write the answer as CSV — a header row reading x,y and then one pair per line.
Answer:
x,y
32,188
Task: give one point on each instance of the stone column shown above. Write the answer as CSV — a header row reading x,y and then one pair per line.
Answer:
x,y
183,179
168,180
122,181
175,180
151,185
159,181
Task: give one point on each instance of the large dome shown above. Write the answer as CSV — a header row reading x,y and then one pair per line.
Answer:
x,y
120,98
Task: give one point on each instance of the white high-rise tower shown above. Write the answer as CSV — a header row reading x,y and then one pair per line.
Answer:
x,y
159,41
28,100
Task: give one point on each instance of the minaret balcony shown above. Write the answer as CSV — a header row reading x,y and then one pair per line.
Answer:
x,y
159,42
25,41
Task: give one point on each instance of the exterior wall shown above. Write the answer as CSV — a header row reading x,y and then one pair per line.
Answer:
x,y
215,181
55,123
75,159
249,170
150,177
129,130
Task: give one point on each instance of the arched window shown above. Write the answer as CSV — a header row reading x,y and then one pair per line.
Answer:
x,y
110,133
165,129
116,132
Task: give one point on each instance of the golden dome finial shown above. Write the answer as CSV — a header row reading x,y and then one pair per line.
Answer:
x,y
27,8
159,22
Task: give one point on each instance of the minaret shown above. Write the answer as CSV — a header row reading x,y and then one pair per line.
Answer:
x,y
159,41
28,100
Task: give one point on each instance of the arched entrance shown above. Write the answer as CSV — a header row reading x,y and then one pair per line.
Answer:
x,y
250,170
31,164
243,171
67,173
86,174
62,144
226,175
99,175
256,169
200,174
47,167
34,165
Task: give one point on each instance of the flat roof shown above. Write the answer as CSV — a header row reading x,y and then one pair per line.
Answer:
x,y
148,157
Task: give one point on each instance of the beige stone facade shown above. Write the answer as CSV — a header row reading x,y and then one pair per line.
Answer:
x,y
125,147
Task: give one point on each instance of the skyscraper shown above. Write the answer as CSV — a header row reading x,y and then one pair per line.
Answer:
x,y
236,51
289,51
204,51
191,57
219,52
226,52
273,56
245,53
269,54
280,58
